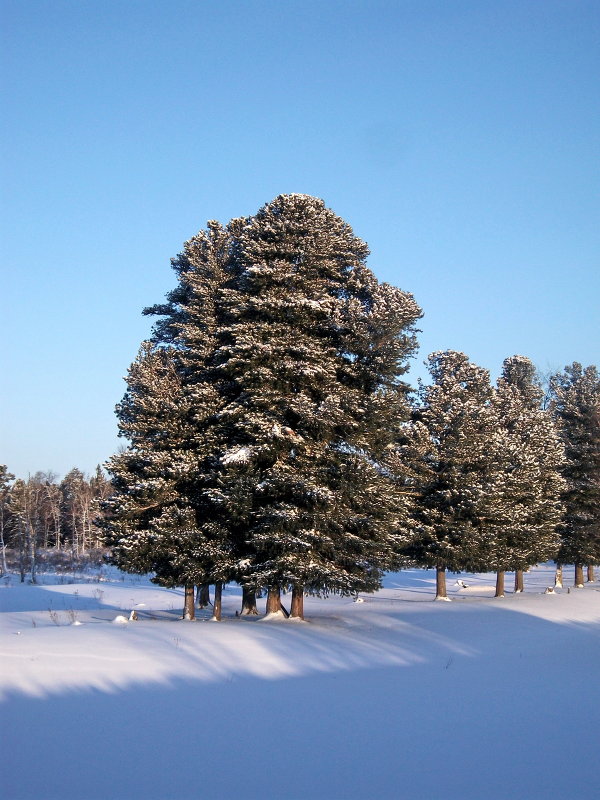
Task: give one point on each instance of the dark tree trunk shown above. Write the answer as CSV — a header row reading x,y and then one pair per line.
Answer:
x,y
3,550
189,612
558,579
499,583
33,555
297,608
22,565
203,595
590,573
519,583
273,600
578,576
440,584
248,602
217,602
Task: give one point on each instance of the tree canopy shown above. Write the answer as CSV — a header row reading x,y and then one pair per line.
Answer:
x,y
275,373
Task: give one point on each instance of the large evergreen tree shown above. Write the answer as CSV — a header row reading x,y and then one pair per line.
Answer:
x,y
313,352
284,362
575,403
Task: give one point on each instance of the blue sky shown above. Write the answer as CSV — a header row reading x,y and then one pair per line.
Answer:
x,y
459,138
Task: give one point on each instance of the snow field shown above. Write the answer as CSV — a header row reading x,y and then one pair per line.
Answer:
x,y
393,697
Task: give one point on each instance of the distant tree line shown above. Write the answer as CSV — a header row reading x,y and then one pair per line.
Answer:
x,y
43,513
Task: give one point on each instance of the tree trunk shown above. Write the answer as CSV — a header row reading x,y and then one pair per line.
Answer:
x,y
3,549
203,595
189,611
558,583
248,602
273,600
579,576
590,573
56,524
22,566
297,608
22,559
217,602
32,554
85,530
499,583
519,583
440,584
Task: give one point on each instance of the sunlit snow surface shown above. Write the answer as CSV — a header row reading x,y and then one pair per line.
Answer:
x,y
393,697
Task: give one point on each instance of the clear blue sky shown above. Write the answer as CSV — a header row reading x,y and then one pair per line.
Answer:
x,y
459,138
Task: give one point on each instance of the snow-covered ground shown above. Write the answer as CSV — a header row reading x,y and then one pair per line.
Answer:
x,y
394,697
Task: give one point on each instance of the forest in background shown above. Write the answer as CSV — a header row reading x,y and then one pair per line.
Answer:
x,y
44,518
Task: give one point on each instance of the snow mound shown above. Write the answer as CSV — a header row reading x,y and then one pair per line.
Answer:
x,y
274,616
120,620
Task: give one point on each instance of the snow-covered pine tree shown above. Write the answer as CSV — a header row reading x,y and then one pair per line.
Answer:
x,y
191,321
525,488
155,519
452,425
146,474
169,415
279,355
575,404
312,355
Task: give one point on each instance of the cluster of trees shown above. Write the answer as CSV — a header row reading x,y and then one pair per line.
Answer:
x,y
502,482
261,415
274,442
43,513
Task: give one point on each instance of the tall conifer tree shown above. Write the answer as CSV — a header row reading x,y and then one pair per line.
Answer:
x,y
168,414
287,356
525,486
575,404
448,440
313,353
